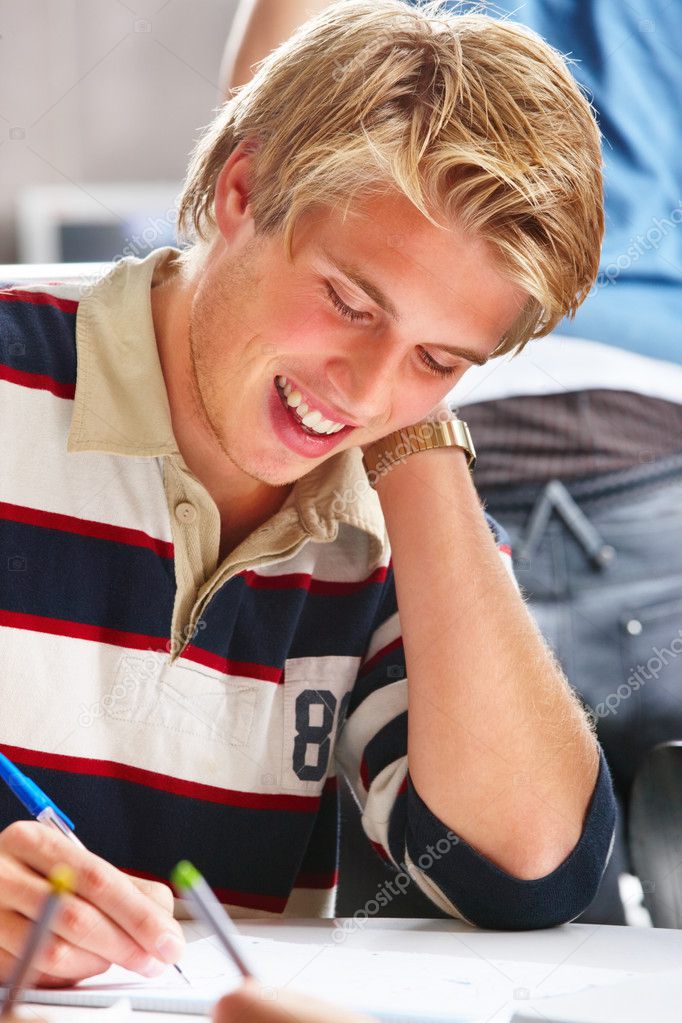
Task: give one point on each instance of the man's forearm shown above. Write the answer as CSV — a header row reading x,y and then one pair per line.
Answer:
x,y
498,747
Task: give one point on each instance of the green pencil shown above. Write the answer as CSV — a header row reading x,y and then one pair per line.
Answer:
x,y
194,888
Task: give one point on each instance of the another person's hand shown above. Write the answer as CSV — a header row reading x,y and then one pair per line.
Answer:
x,y
253,1004
110,918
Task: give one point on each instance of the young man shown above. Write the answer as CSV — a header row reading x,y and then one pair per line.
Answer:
x,y
200,610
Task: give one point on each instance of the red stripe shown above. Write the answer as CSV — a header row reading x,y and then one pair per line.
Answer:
x,y
85,527
38,298
79,630
38,381
304,581
247,669
505,548
378,848
295,580
327,881
161,782
375,658
332,589
252,900
135,641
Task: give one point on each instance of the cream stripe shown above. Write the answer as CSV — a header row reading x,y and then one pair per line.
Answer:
x,y
373,713
379,802
129,706
88,485
385,634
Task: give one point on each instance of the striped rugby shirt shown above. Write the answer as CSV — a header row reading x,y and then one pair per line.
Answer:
x,y
177,707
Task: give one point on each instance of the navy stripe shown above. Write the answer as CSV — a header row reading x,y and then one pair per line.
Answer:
x,y
322,854
490,897
396,828
38,339
58,575
267,626
146,830
389,744
391,666
84,579
387,669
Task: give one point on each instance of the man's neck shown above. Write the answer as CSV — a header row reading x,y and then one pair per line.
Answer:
x,y
243,503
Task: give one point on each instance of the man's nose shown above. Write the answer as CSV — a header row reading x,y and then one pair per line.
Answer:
x,y
364,381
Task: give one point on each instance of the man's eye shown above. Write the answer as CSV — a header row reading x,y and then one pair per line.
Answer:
x,y
436,367
340,305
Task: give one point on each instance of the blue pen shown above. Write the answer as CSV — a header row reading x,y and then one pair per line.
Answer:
x,y
34,799
42,808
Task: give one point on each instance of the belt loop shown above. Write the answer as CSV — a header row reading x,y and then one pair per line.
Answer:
x,y
555,497
537,524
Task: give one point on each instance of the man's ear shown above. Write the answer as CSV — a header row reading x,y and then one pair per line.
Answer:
x,y
232,194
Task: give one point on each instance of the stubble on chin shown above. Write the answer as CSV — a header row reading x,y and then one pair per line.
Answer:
x,y
201,401
207,405
209,315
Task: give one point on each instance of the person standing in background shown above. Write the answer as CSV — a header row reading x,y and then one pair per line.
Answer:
x,y
257,28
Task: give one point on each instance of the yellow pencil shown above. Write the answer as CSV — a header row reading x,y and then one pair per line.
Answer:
x,y
62,880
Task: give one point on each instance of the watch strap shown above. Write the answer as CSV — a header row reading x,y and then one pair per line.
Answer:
x,y
424,436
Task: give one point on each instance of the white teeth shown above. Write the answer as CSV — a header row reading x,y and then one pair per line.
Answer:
x,y
312,418
326,426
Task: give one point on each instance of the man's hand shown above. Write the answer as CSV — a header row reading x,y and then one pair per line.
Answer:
x,y
110,918
161,894
251,1004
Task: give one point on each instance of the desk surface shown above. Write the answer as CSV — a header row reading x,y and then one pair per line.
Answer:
x,y
642,950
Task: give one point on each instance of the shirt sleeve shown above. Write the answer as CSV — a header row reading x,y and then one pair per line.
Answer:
x,y
372,754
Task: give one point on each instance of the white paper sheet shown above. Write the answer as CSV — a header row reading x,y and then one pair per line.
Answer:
x,y
391,985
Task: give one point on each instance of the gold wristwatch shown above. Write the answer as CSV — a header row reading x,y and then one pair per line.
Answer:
x,y
429,433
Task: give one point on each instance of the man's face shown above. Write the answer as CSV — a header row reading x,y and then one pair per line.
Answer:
x,y
352,337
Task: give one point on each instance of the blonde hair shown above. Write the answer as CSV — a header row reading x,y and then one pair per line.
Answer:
x,y
475,120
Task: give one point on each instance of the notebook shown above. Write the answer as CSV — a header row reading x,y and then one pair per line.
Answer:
x,y
396,986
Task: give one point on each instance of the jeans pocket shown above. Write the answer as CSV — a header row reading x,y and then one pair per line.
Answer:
x,y
651,652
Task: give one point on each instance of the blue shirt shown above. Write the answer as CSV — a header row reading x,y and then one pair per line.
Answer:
x,y
630,62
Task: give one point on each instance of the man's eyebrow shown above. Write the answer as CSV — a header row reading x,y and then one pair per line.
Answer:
x,y
384,302
374,292
464,353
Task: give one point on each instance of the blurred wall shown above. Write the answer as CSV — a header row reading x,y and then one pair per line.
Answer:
x,y
103,90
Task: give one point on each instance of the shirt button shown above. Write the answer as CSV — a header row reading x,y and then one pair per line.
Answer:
x,y
185,512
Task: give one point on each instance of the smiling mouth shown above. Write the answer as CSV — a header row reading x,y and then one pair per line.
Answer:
x,y
308,418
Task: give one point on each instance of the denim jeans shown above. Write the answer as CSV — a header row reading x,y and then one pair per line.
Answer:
x,y
600,562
